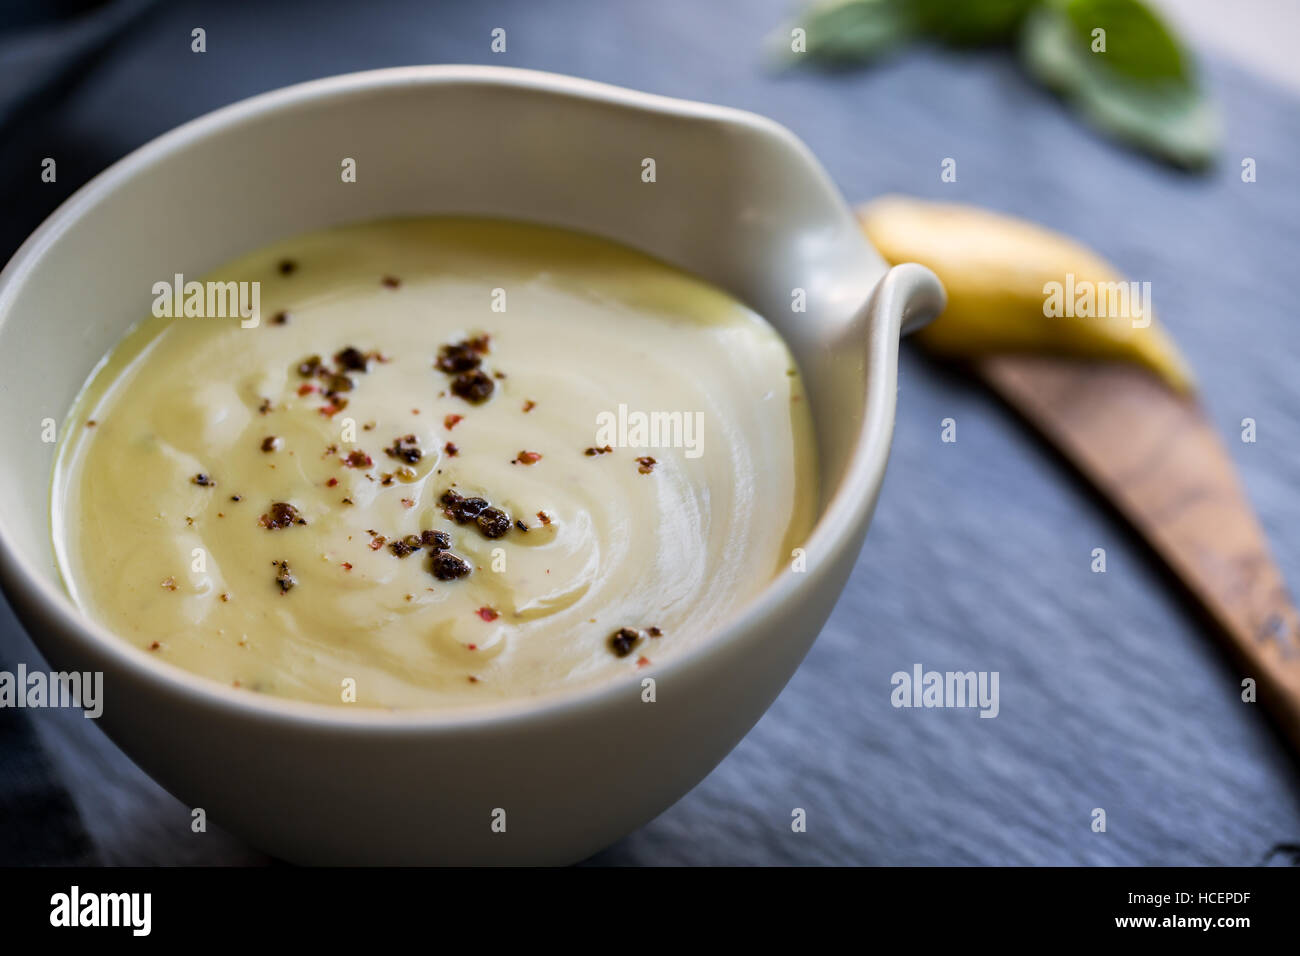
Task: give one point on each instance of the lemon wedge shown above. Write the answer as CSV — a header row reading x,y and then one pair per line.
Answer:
x,y
1014,286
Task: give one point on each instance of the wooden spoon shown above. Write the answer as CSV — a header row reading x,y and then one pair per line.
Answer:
x,y
1156,457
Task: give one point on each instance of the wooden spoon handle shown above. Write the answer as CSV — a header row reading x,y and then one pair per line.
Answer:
x,y
1158,459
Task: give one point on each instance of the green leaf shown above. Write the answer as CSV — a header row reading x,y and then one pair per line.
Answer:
x,y
1138,45
971,22
855,32
847,32
1141,87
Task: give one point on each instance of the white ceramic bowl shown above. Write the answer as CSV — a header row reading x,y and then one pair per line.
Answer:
x,y
737,200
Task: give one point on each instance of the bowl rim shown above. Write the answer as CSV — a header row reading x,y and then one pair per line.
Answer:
x,y
841,517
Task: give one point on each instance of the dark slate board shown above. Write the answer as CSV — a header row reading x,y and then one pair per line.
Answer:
x,y
1114,692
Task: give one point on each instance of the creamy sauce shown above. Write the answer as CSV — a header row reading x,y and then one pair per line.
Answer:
x,y
582,333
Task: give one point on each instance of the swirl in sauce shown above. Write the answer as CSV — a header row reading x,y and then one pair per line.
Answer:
x,y
670,538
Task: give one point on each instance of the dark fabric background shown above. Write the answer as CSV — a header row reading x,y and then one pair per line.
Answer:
x,y
1114,693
